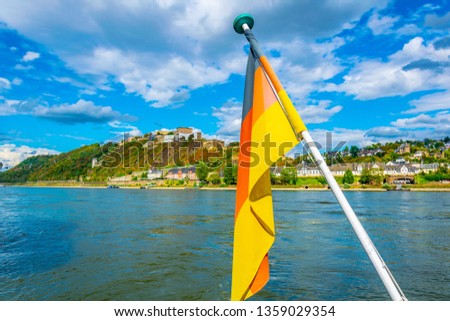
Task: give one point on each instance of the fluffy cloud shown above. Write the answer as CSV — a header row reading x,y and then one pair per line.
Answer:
x,y
126,130
160,80
229,115
8,107
437,101
439,122
125,41
415,128
416,67
30,56
339,138
384,131
80,112
381,24
320,113
11,155
408,29
305,73
4,83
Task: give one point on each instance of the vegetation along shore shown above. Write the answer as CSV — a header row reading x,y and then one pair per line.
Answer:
x,y
183,159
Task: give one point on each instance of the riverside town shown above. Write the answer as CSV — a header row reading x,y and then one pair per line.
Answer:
x,y
184,158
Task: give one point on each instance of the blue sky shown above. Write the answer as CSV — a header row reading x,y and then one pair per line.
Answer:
x,y
77,72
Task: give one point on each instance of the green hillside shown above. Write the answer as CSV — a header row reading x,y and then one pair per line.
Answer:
x,y
140,154
66,166
125,158
114,160
22,172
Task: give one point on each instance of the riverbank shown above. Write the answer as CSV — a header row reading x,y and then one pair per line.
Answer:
x,y
232,188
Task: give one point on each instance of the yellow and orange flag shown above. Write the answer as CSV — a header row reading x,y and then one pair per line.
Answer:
x,y
266,135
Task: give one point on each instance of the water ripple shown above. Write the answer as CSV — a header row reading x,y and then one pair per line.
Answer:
x,y
83,244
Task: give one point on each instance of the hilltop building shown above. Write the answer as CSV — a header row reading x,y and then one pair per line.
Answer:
x,y
181,134
184,130
404,148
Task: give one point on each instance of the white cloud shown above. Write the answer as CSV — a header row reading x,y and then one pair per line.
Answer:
x,y
440,122
11,155
436,101
229,115
381,24
8,107
330,139
17,81
408,29
400,75
417,128
384,131
304,73
4,83
319,113
30,56
127,130
334,140
165,82
81,112
22,67
200,114
164,49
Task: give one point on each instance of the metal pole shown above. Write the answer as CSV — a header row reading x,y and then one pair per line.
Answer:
x,y
241,25
383,271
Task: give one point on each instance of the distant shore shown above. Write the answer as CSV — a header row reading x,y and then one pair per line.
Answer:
x,y
232,188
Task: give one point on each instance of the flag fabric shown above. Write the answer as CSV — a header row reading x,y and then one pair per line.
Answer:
x,y
266,135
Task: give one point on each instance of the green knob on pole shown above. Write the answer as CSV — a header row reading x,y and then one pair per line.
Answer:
x,y
240,20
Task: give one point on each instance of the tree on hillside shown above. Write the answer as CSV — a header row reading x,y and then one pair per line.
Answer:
x,y
354,150
348,177
202,172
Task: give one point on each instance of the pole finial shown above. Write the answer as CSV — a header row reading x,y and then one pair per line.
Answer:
x,y
240,20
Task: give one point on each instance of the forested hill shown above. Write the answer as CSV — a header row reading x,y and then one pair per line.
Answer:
x,y
112,160
138,154
66,166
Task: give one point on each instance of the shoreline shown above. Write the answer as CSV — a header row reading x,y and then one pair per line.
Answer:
x,y
210,188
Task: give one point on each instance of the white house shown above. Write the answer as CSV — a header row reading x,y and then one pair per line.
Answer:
x,y
154,173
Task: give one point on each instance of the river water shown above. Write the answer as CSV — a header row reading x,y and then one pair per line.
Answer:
x,y
123,244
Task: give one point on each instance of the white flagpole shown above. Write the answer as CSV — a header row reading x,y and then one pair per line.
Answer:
x,y
394,290
383,271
